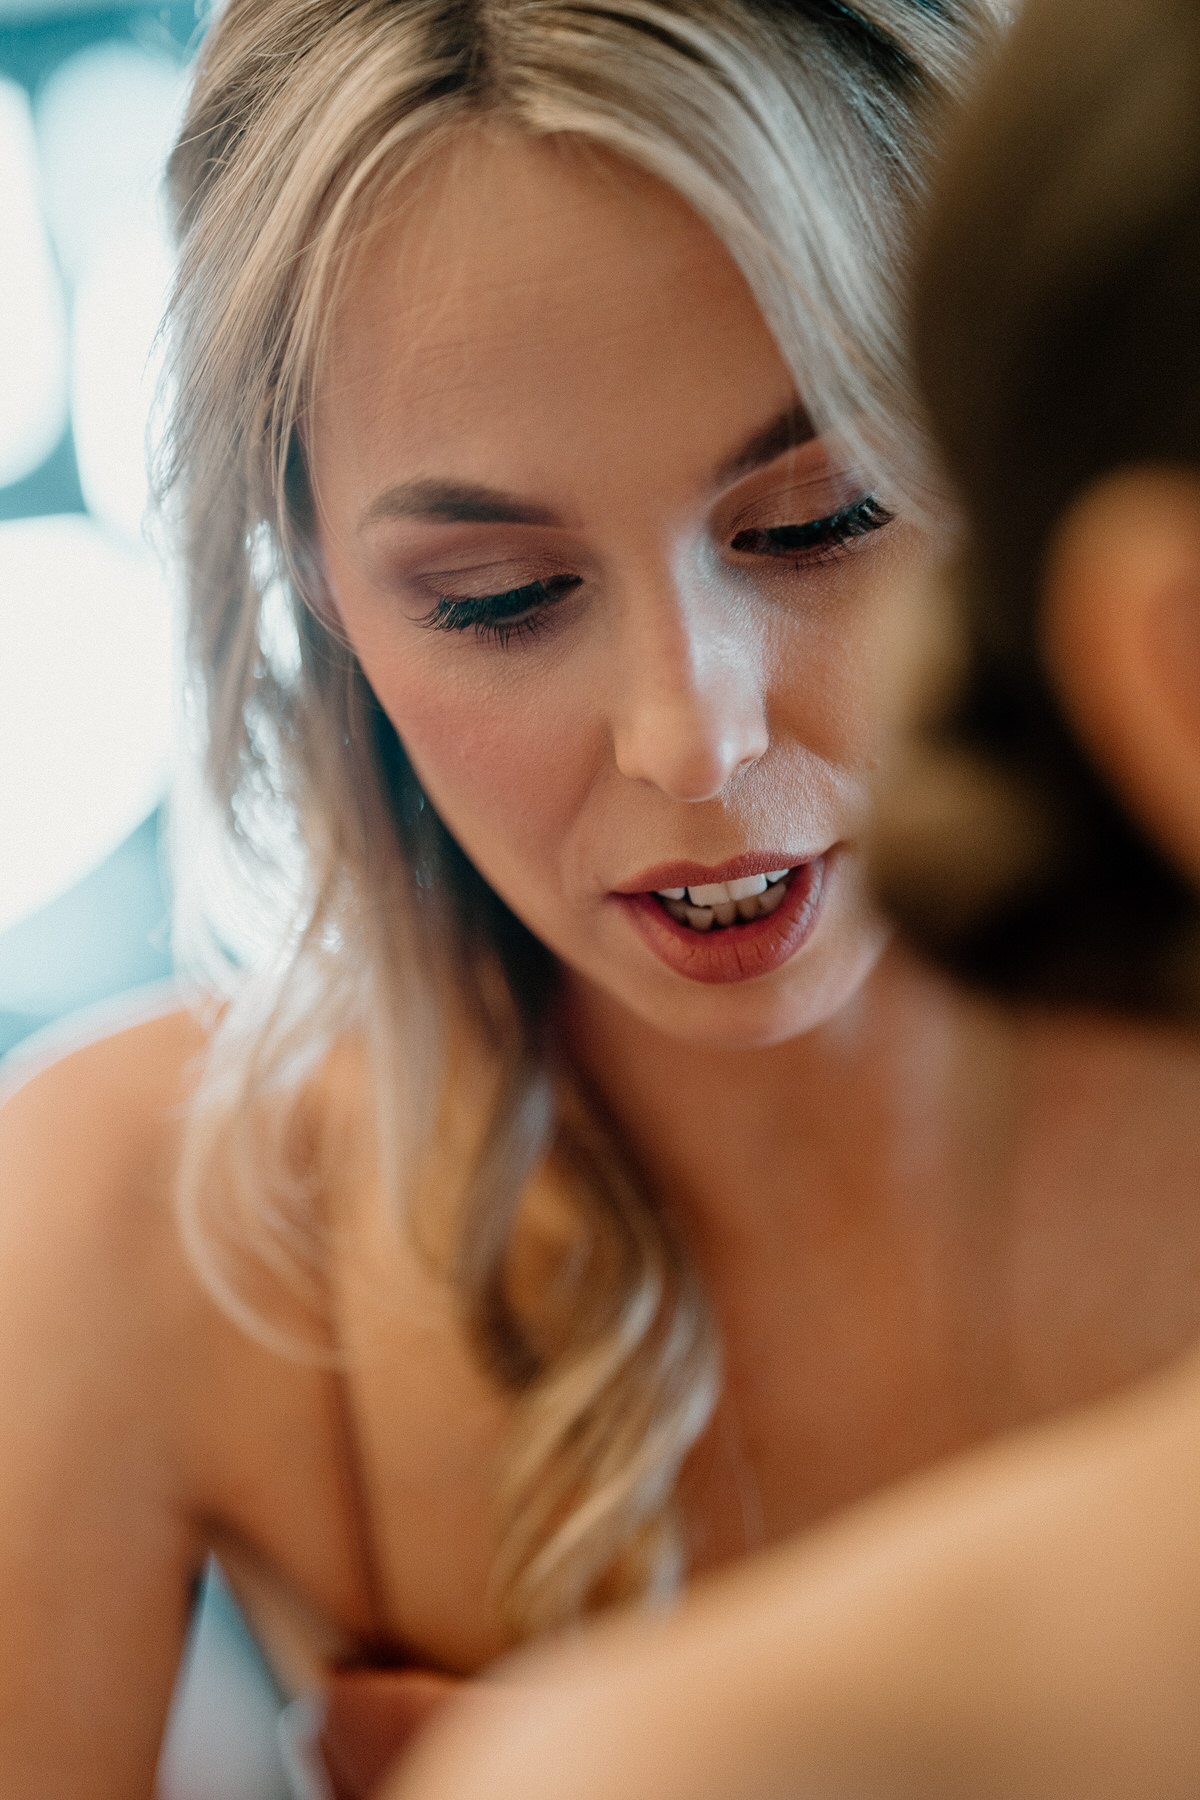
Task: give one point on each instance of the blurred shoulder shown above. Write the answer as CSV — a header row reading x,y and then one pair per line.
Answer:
x,y
143,1041
96,1104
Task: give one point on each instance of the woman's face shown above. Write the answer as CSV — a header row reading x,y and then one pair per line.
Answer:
x,y
625,612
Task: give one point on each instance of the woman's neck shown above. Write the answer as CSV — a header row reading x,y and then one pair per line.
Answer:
x,y
841,1195
870,1102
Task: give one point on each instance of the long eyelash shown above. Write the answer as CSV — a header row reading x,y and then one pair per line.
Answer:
x,y
517,613
830,533
523,611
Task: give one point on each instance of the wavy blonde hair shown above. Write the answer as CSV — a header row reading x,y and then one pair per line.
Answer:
x,y
319,893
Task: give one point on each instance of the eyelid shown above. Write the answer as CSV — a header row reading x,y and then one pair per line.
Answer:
x,y
810,537
429,558
793,502
486,579
517,612
810,469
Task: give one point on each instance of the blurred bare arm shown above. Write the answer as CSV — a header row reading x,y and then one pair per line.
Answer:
x,y
1023,1623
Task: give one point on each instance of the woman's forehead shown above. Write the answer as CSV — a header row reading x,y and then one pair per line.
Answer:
x,y
534,287
494,195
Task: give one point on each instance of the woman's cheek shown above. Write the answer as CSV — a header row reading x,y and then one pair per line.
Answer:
x,y
835,672
821,694
501,755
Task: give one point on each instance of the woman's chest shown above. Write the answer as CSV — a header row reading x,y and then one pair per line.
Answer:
x,y
899,1332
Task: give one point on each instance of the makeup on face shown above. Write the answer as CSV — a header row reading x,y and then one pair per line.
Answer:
x,y
714,926
780,503
616,595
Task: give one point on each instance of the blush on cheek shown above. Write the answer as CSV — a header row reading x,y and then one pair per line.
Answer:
x,y
832,682
502,761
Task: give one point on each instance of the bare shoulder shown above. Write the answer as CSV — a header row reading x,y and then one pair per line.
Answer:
x,y
97,1545
89,1248
96,1119
223,1437
140,1042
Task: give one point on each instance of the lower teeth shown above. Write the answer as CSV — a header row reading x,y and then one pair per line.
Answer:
x,y
730,912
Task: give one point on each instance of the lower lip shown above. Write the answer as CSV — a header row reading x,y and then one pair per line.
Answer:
x,y
732,952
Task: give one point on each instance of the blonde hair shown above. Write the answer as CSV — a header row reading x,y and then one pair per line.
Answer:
x,y
324,898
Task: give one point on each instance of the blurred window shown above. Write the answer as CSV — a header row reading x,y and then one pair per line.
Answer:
x,y
89,100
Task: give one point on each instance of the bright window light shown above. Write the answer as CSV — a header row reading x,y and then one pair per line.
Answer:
x,y
221,1741
105,122
33,361
118,308
85,703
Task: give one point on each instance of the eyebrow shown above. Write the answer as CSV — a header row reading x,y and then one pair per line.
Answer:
x,y
786,431
468,503
458,502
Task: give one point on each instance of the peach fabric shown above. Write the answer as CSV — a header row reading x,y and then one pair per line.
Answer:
x,y
371,1717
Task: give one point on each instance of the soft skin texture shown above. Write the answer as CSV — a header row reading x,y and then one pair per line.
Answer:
x,y
1018,1626
911,1212
687,701
1024,1624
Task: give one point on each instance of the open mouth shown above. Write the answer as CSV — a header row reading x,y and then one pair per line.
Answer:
x,y
732,930
717,905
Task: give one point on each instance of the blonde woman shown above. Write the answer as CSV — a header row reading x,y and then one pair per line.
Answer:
x,y
558,1186
1024,1622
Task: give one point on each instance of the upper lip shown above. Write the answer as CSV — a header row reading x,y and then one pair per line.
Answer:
x,y
694,874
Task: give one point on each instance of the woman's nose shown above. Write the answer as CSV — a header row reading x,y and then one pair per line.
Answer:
x,y
690,712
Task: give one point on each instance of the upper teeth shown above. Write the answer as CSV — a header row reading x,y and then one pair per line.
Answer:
x,y
722,893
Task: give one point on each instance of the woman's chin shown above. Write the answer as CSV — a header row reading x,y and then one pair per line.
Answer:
x,y
762,1022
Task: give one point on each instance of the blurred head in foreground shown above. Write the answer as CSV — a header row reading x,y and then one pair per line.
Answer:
x,y
1057,322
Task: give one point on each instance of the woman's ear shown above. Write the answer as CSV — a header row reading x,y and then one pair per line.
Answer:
x,y
1121,637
